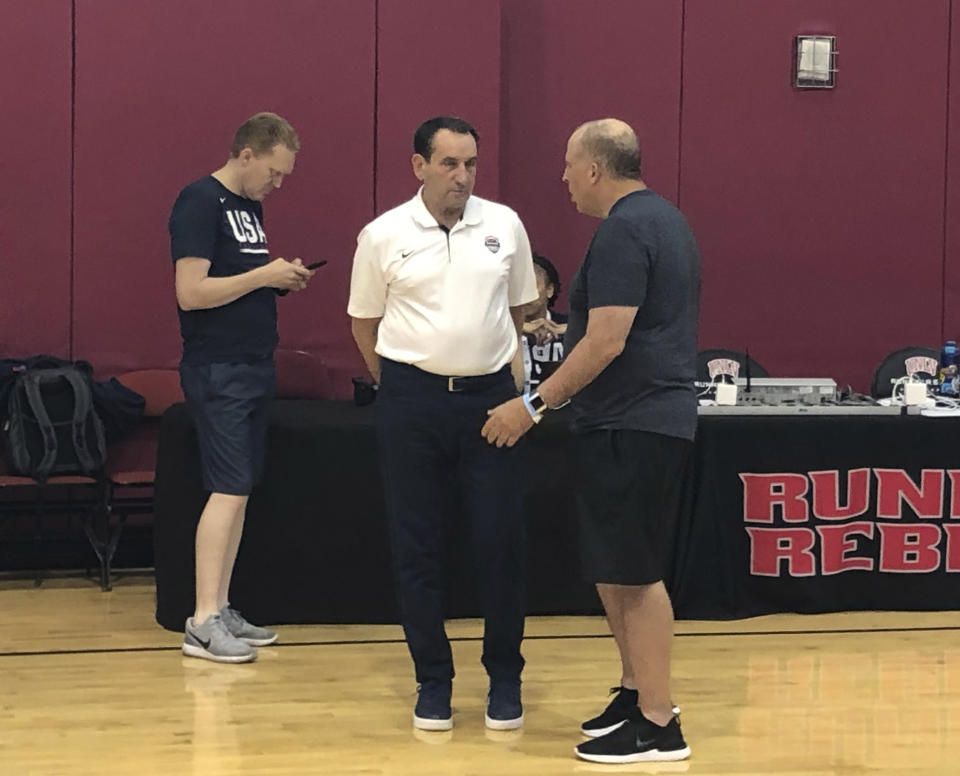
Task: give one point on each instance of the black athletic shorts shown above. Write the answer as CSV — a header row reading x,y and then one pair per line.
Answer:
x,y
229,403
629,493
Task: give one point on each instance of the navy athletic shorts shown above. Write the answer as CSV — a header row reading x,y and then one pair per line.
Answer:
x,y
229,403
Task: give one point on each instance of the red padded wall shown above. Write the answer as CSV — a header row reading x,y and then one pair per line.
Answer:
x,y
161,87
435,57
35,86
951,284
819,213
569,61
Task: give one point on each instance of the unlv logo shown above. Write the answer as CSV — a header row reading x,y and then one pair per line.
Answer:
x,y
723,366
921,364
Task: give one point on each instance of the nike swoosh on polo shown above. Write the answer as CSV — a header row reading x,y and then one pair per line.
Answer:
x,y
404,254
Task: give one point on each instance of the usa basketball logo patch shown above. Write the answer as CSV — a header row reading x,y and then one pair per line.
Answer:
x,y
492,243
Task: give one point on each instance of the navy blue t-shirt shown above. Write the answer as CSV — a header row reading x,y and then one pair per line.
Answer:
x,y
642,255
211,222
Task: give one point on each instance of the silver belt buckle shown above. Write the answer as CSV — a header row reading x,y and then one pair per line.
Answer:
x,y
450,387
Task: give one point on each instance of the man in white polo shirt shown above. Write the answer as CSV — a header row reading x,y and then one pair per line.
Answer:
x,y
436,300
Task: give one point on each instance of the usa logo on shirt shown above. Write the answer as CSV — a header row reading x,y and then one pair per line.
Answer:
x,y
492,243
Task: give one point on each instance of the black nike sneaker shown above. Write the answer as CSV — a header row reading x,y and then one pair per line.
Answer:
x,y
617,712
637,740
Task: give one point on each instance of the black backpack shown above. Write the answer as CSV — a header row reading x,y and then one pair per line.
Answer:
x,y
51,425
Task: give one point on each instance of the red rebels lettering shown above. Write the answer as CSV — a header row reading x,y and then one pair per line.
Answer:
x,y
826,494
909,549
954,475
768,546
836,543
762,492
894,486
953,547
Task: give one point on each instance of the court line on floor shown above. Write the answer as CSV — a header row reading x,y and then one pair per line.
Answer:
x,y
559,637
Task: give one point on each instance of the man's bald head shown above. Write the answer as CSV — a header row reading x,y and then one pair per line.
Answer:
x,y
613,145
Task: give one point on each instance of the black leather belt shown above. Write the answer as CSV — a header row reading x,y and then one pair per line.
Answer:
x,y
453,383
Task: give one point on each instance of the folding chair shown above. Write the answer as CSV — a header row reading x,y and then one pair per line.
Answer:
x,y
132,461
25,495
894,366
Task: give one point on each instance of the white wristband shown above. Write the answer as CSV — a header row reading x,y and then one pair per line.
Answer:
x,y
534,415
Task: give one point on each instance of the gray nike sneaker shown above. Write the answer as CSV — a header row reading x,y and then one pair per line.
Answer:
x,y
248,633
212,641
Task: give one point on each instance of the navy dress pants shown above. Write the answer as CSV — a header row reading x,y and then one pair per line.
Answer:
x,y
430,451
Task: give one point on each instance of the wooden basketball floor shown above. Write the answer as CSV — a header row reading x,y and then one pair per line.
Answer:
x,y
89,684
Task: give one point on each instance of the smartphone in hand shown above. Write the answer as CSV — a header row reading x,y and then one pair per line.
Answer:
x,y
317,264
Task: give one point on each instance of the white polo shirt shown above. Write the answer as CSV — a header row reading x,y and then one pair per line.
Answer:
x,y
445,299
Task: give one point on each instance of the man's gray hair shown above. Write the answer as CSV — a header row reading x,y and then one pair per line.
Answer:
x,y
613,145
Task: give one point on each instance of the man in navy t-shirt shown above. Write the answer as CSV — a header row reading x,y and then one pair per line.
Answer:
x,y
631,345
226,292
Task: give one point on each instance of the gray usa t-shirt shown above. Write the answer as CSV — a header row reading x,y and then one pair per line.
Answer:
x,y
642,255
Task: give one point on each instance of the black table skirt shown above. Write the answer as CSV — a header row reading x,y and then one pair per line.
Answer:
x,y
714,576
315,546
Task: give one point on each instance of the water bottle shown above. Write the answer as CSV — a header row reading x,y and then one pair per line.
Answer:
x,y
948,369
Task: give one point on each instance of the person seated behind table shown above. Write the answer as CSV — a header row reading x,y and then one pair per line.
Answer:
x,y
543,328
